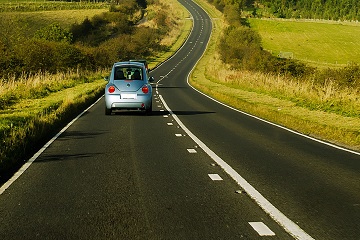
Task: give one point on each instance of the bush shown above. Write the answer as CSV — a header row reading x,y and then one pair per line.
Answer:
x,y
238,44
348,77
54,33
101,28
37,55
67,56
240,47
94,43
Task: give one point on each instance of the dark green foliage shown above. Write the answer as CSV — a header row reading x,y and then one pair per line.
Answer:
x,y
101,28
36,55
68,56
238,44
240,47
346,77
54,32
319,9
95,43
80,30
142,3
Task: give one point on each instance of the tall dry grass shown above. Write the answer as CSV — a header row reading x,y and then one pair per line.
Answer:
x,y
328,97
39,85
323,111
34,107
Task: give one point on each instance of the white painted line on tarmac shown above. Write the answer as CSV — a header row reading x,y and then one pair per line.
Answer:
x,y
289,226
178,134
279,126
215,177
191,150
170,124
36,155
262,229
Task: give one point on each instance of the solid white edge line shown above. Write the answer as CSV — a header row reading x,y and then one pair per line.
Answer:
x,y
36,155
282,127
263,120
288,225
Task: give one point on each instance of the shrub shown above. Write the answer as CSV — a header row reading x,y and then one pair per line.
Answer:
x,y
67,56
37,55
238,44
54,32
80,30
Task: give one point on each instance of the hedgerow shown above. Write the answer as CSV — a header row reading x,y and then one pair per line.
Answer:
x,y
241,48
94,43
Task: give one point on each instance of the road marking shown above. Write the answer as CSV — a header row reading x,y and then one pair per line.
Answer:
x,y
215,177
277,125
289,226
191,150
261,229
178,134
36,155
170,124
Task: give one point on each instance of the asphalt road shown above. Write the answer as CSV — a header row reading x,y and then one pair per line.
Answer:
x,y
195,169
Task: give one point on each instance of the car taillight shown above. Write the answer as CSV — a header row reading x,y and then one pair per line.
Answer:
x,y
145,89
111,89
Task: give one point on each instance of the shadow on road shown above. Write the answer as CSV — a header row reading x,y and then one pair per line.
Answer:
x,y
159,113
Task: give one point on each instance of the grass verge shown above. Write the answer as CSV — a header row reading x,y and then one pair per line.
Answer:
x,y
28,123
260,95
45,103
177,35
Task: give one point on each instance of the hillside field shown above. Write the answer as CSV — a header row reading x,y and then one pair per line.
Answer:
x,y
319,43
25,17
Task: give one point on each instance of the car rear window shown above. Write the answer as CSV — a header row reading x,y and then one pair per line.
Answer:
x,y
128,73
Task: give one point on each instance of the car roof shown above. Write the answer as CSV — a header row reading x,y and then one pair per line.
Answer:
x,y
129,64
138,60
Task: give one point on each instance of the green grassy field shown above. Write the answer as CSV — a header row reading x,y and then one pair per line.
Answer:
x,y
42,5
32,21
328,44
276,98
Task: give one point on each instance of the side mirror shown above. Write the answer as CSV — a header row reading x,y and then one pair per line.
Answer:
x,y
151,79
106,78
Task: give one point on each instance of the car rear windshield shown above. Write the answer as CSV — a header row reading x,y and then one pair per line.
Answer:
x,y
128,73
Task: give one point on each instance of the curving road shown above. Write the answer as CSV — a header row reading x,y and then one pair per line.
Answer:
x,y
195,169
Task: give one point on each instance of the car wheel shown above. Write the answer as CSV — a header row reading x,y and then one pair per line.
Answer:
x,y
107,111
149,110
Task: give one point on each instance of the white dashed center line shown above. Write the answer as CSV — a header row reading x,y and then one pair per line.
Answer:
x,y
215,177
262,229
191,150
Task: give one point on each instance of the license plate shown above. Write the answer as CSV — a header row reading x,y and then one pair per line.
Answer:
x,y
129,96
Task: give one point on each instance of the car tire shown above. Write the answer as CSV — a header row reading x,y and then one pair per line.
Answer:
x,y
149,110
107,111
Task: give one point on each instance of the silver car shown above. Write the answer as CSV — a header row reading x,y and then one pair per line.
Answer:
x,y
128,88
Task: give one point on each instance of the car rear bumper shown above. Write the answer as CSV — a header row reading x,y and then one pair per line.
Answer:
x,y
141,102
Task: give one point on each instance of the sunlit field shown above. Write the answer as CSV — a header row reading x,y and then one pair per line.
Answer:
x,y
320,111
43,102
320,43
